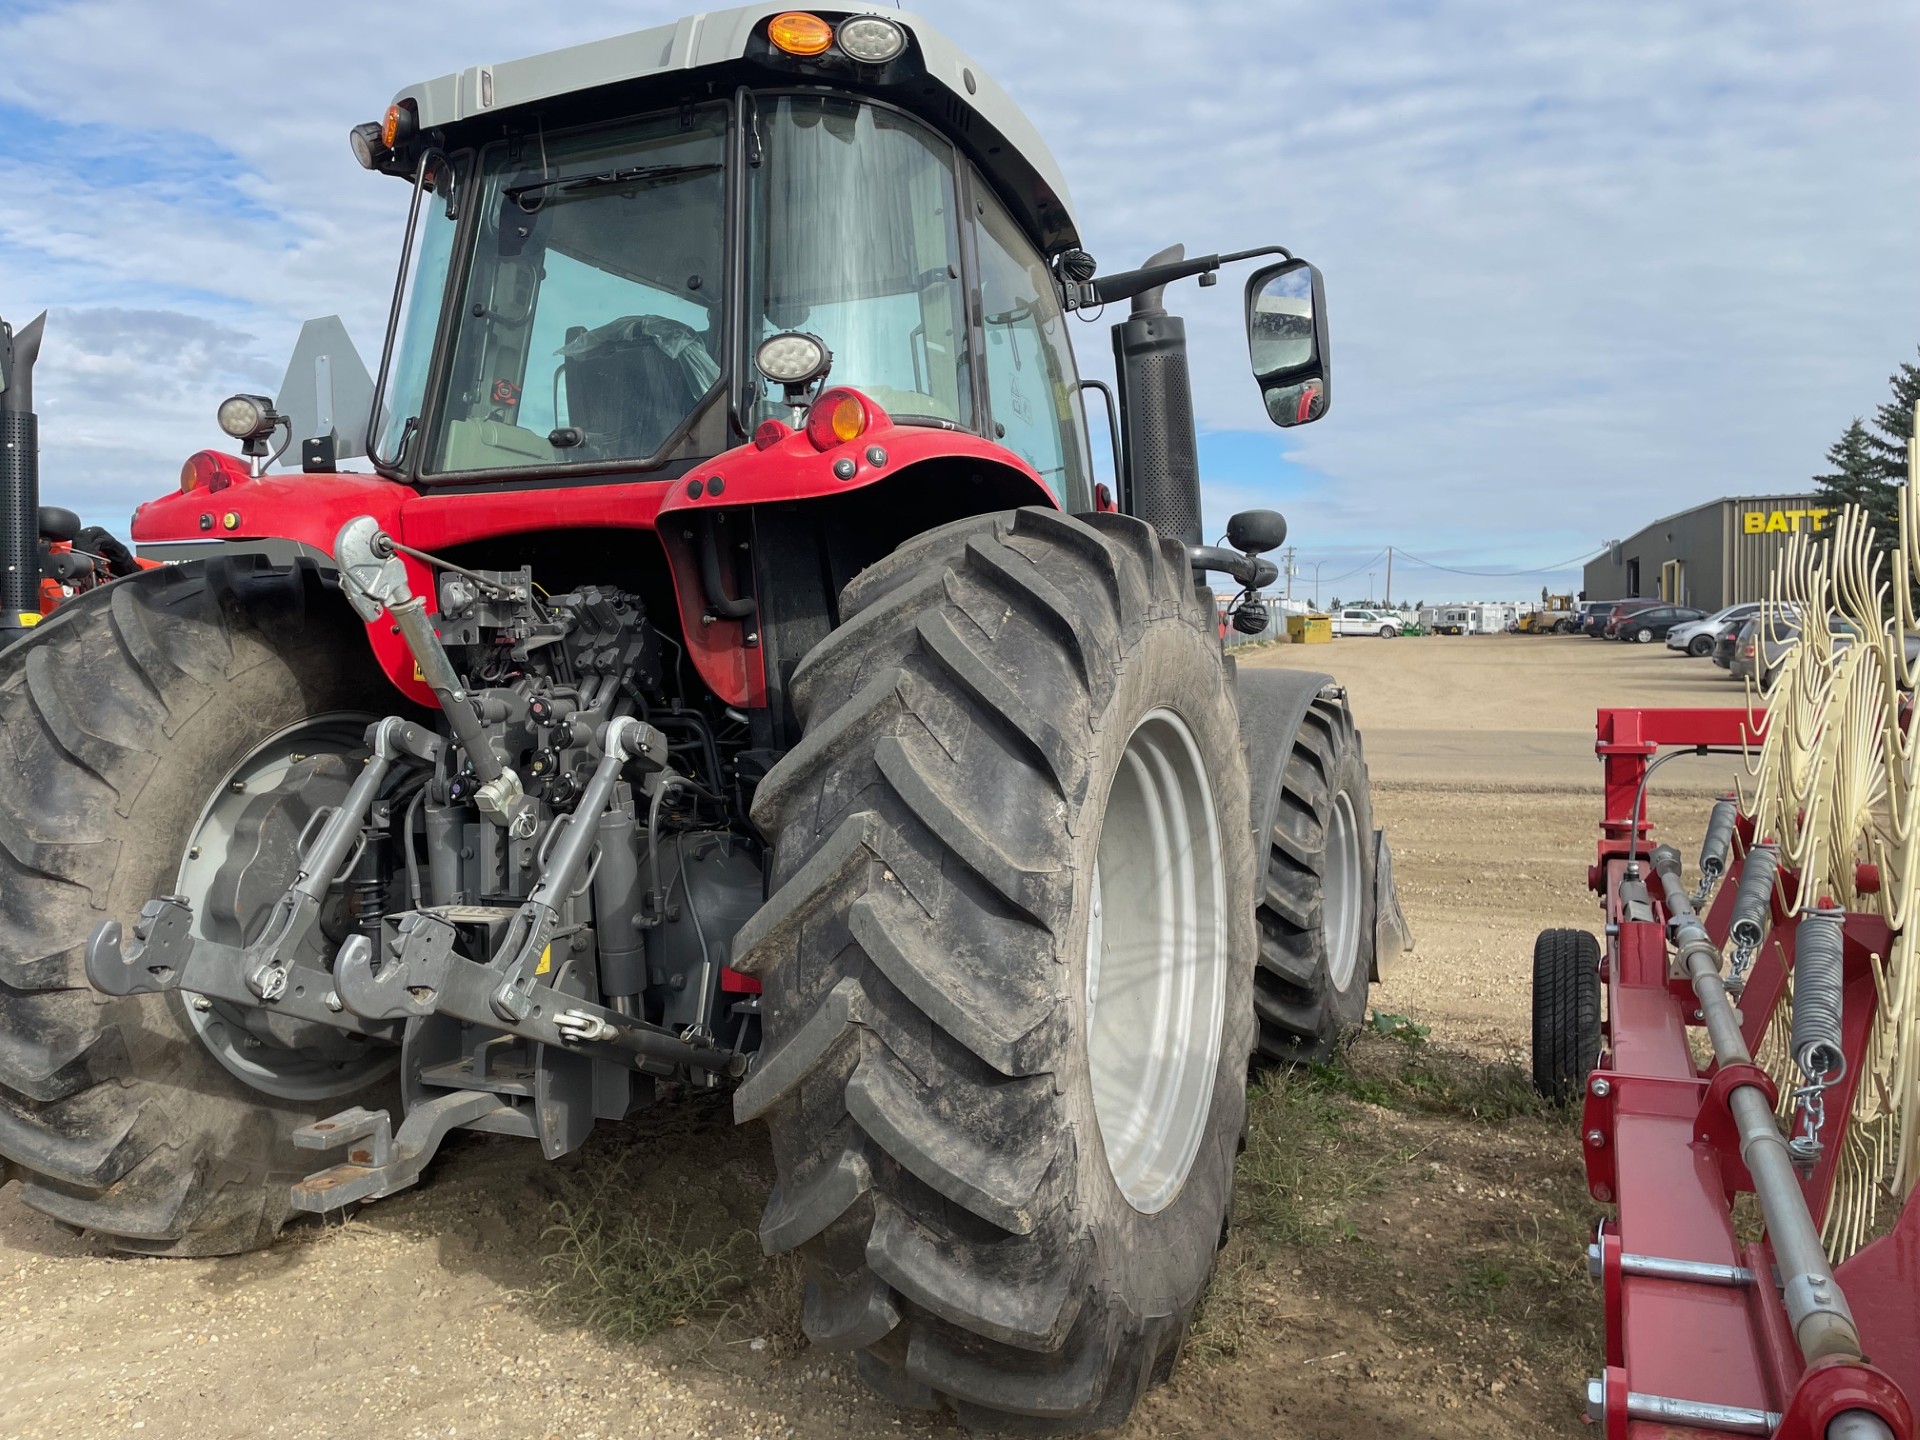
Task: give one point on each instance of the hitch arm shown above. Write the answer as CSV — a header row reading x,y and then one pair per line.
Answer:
x,y
624,739
269,959
166,955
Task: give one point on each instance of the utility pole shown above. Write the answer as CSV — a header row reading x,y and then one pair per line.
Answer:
x,y
1389,577
1290,550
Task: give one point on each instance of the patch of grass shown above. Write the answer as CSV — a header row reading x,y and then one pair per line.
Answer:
x,y
628,1273
1227,1319
1301,1173
1493,1093
1478,1286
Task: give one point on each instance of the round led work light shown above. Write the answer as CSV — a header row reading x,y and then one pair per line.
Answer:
x,y
869,38
792,359
247,417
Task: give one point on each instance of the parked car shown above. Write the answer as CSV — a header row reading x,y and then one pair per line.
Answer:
x,y
1643,627
1697,637
1764,643
1352,620
1575,622
1610,625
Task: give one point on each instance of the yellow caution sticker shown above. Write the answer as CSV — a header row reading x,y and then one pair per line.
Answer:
x,y
29,618
418,673
546,961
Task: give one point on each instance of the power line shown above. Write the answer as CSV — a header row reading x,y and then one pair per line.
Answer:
x,y
1505,574
1356,569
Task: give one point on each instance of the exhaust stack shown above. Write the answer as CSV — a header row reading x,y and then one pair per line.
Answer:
x,y
1158,449
19,478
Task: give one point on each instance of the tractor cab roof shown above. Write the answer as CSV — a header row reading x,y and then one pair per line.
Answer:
x,y
699,54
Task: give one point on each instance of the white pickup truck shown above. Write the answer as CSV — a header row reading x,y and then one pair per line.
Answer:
x,y
1354,621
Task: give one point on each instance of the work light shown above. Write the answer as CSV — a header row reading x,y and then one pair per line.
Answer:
x,y
792,359
871,39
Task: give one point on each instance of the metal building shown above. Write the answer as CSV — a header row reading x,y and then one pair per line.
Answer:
x,y
1712,555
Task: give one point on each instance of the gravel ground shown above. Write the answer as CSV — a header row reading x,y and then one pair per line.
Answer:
x,y
414,1319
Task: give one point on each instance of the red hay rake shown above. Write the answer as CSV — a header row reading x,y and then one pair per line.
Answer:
x,y
1714,1328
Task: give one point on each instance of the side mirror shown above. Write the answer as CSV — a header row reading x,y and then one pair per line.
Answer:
x,y
1287,341
1255,532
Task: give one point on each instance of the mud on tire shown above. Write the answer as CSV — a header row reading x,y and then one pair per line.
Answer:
x,y
119,716
926,1075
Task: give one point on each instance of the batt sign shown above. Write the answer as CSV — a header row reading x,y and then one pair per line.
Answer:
x,y
1783,522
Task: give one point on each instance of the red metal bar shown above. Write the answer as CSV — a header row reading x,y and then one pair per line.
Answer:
x,y
1659,1143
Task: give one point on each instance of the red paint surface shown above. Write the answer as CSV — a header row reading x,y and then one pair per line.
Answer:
x,y
312,508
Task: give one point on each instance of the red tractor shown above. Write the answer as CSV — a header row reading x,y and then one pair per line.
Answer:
x,y
724,677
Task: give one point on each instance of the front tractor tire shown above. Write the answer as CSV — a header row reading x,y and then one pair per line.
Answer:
x,y
1008,970
123,718
1318,910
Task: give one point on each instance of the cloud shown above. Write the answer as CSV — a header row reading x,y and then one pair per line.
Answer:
x,y
1587,262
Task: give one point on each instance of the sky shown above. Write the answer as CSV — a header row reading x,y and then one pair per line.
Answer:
x,y
1587,262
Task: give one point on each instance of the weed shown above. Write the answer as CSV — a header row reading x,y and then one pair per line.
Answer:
x,y
630,1274
1408,1032
1478,1286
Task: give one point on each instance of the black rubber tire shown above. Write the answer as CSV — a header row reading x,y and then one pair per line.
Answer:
x,y
119,715
1566,1012
1699,646
925,1072
1643,636
1304,1016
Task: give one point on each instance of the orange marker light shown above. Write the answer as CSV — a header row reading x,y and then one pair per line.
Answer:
x,y
398,125
849,418
837,417
799,33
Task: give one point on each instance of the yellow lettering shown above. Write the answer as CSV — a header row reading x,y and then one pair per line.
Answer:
x,y
1756,523
1776,522
1816,519
1795,517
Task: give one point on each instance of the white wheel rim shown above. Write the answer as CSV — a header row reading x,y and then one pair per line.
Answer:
x,y
1156,963
287,1074
1340,893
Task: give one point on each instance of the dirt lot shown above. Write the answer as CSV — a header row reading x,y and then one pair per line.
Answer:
x,y
1407,1260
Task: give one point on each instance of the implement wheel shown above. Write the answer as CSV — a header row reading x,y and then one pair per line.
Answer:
x,y
1008,969
168,735
1566,1012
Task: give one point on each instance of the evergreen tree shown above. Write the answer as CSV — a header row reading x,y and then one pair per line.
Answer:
x,y
1858,479
1893,424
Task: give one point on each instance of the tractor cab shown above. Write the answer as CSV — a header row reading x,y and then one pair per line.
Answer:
x,y
593,273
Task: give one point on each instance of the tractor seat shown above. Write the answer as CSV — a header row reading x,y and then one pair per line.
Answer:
x,y
631,383
59,523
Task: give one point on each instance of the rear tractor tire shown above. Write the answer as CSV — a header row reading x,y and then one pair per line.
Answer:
x,y
1566,1012
1008,970
167,735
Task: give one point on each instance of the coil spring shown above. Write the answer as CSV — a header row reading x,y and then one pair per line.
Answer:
x,y
367,886
1753,901
1719,838
1817,993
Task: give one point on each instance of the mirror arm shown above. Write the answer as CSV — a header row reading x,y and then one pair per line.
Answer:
x,y
1130,283
1252,571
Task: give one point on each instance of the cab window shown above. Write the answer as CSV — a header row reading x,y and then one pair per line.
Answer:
x,y
590,323
1032,387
